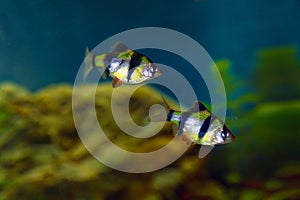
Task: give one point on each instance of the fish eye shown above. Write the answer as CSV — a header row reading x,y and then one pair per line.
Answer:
x,y
224,135
115,62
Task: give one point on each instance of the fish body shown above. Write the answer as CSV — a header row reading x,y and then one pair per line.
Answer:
x,y
199,126
123,65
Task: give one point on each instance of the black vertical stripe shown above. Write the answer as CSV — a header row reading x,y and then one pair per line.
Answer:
x,y
106,72
170,115
134,62
204,127
201,106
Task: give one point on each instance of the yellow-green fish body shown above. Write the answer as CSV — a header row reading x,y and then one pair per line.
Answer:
x,y
199,126
123,65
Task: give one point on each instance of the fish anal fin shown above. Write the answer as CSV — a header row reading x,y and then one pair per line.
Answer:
x,y
116,82
119,47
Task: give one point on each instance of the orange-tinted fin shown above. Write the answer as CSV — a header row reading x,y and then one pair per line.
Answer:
x,y
88,63
116,82
187,140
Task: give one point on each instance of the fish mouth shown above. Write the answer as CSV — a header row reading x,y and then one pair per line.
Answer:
x,y
231,138
158,72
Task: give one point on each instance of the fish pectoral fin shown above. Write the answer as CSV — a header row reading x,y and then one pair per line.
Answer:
x,y
204,150
197,107
184,138
119,47
116,82
187,139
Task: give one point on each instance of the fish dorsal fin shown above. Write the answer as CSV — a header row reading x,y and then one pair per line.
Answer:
x,y
165,104
119,47
197,107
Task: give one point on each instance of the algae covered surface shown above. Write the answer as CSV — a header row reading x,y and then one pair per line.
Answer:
x,y
42,156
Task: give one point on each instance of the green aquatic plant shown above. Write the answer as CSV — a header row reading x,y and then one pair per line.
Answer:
x,y
275,124
271,136
4,116
237,92
277,72
286,194
266,111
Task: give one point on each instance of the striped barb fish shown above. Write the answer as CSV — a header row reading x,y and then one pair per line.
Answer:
x,y
123,65
198,126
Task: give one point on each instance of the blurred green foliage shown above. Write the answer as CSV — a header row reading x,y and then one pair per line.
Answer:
x,y
237,98
264,113
277,74
264,118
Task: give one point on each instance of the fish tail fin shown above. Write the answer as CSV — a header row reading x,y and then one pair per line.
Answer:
x,y
89,63
159,115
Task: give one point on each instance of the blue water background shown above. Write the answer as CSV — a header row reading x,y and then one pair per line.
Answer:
x,y
43,42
